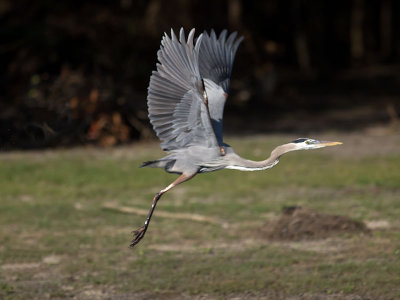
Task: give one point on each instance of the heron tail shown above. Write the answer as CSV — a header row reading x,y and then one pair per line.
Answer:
x,y
151,163
162,163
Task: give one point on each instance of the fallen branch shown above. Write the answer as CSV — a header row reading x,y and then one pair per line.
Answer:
x,y
182,216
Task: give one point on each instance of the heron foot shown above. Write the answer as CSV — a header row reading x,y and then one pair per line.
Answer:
x,y
138,234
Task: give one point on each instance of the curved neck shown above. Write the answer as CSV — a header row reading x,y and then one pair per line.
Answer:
x,y
251,165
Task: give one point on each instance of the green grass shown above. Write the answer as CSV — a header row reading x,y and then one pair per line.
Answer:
x,y
58,241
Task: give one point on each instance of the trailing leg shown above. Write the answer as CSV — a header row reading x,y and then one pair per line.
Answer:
x,y
140,232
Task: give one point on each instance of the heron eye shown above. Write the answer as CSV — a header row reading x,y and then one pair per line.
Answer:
x,y
307,142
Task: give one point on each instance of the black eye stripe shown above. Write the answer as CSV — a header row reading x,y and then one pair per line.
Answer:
x,y
299,140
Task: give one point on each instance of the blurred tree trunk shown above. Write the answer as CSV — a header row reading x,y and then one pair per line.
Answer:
x,y
300,39
235,14
386,28
356,30
152,15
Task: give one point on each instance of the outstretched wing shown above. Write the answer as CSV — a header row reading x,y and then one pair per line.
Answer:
x,y
176,108
216,59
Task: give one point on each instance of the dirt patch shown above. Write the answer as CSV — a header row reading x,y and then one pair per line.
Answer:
x,y
182,216
378,224
297,223
19,267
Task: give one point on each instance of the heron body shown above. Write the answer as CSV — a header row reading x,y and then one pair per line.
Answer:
x,y
186,99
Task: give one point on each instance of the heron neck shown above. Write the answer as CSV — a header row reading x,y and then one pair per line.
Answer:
x,y
251,165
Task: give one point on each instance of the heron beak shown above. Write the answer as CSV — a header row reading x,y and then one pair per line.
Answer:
x,y
327,143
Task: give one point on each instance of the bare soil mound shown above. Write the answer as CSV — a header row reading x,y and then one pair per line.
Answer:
x,y
297,223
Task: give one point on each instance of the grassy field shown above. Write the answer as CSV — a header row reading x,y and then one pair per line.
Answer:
x,y
60,239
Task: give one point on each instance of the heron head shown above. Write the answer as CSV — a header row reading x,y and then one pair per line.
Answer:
x,y
307,144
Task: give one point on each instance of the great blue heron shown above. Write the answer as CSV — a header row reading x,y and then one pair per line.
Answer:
x,y
186,99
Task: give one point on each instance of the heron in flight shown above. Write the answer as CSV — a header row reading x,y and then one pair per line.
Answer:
x,y
186,99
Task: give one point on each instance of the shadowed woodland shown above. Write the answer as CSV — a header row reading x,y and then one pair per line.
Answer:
x,y
76,72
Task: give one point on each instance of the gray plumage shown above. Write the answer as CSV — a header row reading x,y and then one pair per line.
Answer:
x,y
186,99
216,57
175,99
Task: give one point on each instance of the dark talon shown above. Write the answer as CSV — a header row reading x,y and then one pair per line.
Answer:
x,y
138,235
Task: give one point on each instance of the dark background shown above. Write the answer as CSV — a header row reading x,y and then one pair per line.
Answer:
x,y
76,72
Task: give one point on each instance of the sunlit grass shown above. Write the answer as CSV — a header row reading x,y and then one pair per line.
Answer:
x,y
51,204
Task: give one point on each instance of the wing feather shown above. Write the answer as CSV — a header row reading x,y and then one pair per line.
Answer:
x,y
176,109
216,57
